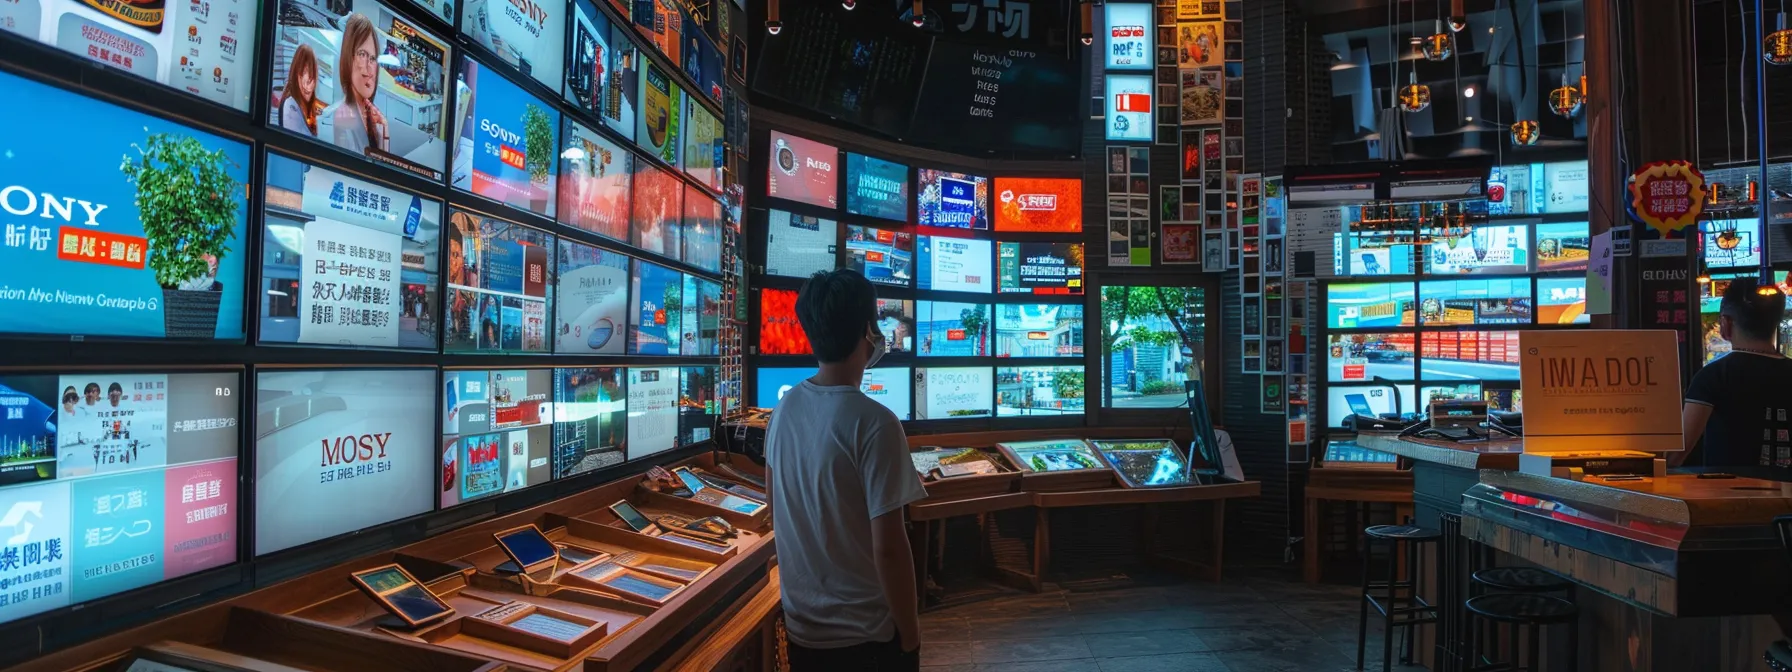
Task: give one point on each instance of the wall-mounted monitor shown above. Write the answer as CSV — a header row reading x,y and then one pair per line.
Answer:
x,y
1039,330
954,393
702,140
497,432
947,329
1566,184
1039,390
1364,357
500,283
896,319
662,105
1040,268
594,182
876,188
656,298
773,383
1562,301
954,264
1488,249
1343,400
590,419
1450,302
1039,204
702,230
121,480
1731,243
91,249
1468,355
213,61
652,411
530,37
1131,28
952,200
698,407
1515,190
1563,246
891,386
591,302
382,82
360,443
1358,254
802,170
701,324
601,72
1369,306
885,257
347,262
1130,112
798,246
1429,394
779,331
658,210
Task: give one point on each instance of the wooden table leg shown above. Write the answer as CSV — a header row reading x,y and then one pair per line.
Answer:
x,y
1310,544
1042,545
1219,540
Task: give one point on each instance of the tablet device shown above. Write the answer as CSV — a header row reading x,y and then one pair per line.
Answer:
x,y
631,516
527,547
401,594
690,480
1359,405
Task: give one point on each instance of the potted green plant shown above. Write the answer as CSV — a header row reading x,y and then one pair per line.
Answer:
x,y
538,142
187,200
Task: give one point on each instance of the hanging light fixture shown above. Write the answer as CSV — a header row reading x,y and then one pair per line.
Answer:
x,y
772,25
1088,31
1777,48
1440,45
849,4
920,17
1414,97
1566,100
1458,17
1526,133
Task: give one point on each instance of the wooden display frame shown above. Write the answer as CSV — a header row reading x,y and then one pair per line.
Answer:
x,y
497,625
1057,481
644,562
1127,483
696,509
574,578
1006,479
648,543
381,598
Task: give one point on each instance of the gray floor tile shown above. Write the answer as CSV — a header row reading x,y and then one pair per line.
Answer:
x,y
1075,665
1119,644
1026,650
1173,662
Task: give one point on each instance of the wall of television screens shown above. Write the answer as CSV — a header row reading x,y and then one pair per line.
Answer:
x,y
422,181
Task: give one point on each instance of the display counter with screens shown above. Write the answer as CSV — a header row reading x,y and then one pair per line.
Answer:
x,y
1147,463
798,246
497,432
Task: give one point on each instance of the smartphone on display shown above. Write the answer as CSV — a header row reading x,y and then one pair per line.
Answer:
x,y
631,516
690,480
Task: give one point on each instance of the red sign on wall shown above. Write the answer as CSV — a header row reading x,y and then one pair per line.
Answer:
x,y
1667,195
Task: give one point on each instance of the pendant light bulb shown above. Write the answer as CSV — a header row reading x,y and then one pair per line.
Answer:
x,y
1776,48
920,15
772,25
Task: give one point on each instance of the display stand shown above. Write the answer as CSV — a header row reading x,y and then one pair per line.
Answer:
x,y
1006,479
698,509
1036,480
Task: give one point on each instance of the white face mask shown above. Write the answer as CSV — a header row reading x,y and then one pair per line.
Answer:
x,y
879,346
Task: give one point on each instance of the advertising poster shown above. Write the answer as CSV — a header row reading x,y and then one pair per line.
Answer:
x,y
600,73
383,96
955,264
947,329
702,145
496,432
1562,301
661,104
1182,243
952,200
802,170
117,524
75,250
1202,97
1129,112
657,305
590,414
622,84
498,285
652,411
896,319
1039,330
779,331
36,526
508,141
1040,268
877,188
883,256
1039,204
797,246
378,247
1129,36
591,300
697,405
120,425
212,62
527,34
1563,247
773,384
1039,390
658,209
662,22
1198,45
952,393
702,231
594,183
29,426
892,388
357,443
199,531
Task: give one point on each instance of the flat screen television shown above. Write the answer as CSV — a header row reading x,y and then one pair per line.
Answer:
x,y
702,230
954,264
590,419
773,382
698,407
1131,27
591,299
896,319
661,103
802,170
330,241
876,188
1039,204
1039,390
1468,355
497,432
213,62
779,331
702,145
1370,306
1343,400
1039,330
124,480
701,324
656,298
953,393
652,411
1356,254
78,259
1488,249
1731,243
658,210
378,438
1562,301
891,386
1361,357
1465,302
947,329
530,37
594,182
1566,184
883,256
499,286
602,69
1563,246
798,246
951,200
1039,268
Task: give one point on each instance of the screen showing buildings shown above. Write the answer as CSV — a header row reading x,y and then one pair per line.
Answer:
x,y
499,285
347,262
590,416
954,393
896,319
952,200
883,256
601,75
891,387
594,182
1040,268
779,331
123,480
1375,400
697,404
381,83
658,210
802,170
1055,455
1039,204
946,329
876,188
1562,301
1563,247
358,443
1364,357
213,62
529,36
1468,355
1446,302
652,411
773,383
955,264
1039,330
78,258
1039,390
656,300
591,303
1731,243
497,429
1368,306
798,246
1361,254
1486,249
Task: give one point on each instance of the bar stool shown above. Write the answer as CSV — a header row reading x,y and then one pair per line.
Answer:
x,y
1529,611
1510,580
1416,611
1778,657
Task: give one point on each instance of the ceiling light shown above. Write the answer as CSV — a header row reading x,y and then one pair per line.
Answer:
x,y
1469,92
849,4
1468,118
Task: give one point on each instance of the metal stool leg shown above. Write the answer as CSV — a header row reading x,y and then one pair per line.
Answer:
x,y
1362,618
1387,633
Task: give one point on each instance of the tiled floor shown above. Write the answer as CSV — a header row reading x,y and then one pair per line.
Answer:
x,y
1253,622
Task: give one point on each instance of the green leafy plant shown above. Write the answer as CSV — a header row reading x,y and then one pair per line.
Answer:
x,y
1068,384
188,202
1160,387
538,141
974,320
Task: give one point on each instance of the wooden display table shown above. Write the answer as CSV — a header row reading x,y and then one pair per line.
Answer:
x,y
1338,484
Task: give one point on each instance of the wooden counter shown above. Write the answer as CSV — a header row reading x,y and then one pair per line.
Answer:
x,y
1492,454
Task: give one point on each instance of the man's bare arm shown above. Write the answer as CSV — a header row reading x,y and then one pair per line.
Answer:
x,y
896,570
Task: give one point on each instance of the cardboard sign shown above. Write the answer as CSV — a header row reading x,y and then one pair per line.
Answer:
x,y
1591,390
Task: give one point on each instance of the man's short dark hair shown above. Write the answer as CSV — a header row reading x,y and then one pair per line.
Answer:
x,y
1756,315
115,387
835,309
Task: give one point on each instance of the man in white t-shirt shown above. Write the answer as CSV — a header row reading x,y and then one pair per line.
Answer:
x,y
840,477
